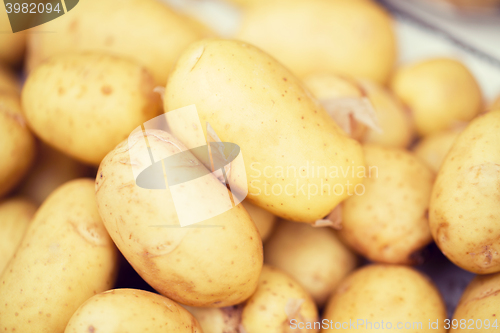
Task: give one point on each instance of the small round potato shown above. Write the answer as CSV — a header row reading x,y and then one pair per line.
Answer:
x,y
314,257
15,216
85,104
131,310
355,38
12,45
388,222
17,148
385,297
8,82
440,92
264,220
277,305
479,307
65,257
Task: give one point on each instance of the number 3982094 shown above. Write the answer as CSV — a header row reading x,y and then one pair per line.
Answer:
x,y
32,8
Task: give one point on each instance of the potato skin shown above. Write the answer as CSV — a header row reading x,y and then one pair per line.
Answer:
x,y
146,31
12,45
250,99
266,310
440,92
8,82
15,216
387,293
65,257
91,101
17,150
388,223
197,266
314,257
479,302
264,220
354,38
464,207
131,310
218,320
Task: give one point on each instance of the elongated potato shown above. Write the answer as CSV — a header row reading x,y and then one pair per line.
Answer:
x,y
131,310
12,45
464,209
385,297
479,306
314,257
355,38
388,222
146,31
91,102
65,258
264,220
8,82
298,163
277,305
216,262
17,148
15,216
440,92
433,148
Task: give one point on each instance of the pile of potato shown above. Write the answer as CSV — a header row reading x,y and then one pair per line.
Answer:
x,y
388,158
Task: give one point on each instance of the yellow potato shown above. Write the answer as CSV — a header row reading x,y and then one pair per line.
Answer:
x,y
131,310
17,148
91,102
385,297
464,207
278,305
12,45
433,148
15,215
388,222
314,257
264,220
216,262
218,320
50,170
479,307
146,31
8,82
66,256
496,104
346,37
440,92
299,164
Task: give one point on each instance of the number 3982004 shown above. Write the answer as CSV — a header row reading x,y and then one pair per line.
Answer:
x,y
32,8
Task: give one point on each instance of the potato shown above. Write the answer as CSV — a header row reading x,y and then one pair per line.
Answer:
x,y
91,102
379,297
299,164
65,257
15,215
218,320
440,92
479,306
215,262
355,38
496,104
388,222
314,257
131,310
433,148
464,209
277,305
264,221
12,45
8,82
146,31
17,149
51,169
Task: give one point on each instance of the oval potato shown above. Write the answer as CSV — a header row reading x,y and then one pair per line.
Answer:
x,y
354,38
15,216
91,102
389,293
464,209
251,100
440,92
66,257
264,220
131,310
146,31
215,262
388,222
